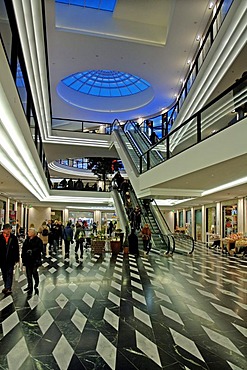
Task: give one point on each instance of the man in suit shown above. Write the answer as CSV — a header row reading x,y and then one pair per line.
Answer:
x,y
9,256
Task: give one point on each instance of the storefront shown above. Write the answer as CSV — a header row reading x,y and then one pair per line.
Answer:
x,y
211,220
230,219
198,224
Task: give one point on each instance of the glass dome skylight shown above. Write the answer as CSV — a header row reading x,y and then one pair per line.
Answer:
x,y
108,5
106,83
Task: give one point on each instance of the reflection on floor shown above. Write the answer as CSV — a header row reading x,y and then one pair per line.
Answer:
x,y
122,312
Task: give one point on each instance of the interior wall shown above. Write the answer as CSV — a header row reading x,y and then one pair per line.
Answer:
x,y
37,215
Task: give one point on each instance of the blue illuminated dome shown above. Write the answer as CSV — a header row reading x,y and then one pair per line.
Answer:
x,y
106,83
105,91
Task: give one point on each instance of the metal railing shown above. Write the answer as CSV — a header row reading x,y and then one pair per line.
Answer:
x,y
223,111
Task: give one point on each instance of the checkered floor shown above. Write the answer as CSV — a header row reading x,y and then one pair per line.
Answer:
x,y
122,312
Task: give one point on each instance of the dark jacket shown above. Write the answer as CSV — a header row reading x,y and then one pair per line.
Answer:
x,y
80,233
133,243
31,251
9,254
68,234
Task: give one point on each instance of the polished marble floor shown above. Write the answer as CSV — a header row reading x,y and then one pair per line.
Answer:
x,y
123,312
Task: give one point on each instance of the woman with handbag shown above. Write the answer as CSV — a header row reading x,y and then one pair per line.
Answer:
x,y
146,238
31,258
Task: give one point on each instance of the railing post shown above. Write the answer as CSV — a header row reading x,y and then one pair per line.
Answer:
x,y
140,164
148,160
199,121
167,147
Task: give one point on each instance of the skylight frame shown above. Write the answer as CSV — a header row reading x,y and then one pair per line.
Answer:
x,y
106,83
101,5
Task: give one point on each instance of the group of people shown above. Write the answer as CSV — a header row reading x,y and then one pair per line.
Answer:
x,y
34,247
134,216
146,240
54,233
10,255
78,185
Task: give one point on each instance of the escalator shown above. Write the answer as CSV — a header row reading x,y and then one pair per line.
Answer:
x,y
139,140
161,242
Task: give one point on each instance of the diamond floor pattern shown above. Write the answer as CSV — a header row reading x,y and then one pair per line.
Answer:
x,y
122,312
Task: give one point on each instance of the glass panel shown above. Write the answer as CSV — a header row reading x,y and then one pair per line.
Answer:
x,y
181,219
20,84
230,220
5,30
183,138
206,47
198,224
118,83
220,115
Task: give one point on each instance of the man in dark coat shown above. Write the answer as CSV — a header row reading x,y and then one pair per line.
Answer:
x,y
31,258
9,256
133,243
68,235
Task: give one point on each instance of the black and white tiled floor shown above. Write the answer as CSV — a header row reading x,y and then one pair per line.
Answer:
x,y
125,313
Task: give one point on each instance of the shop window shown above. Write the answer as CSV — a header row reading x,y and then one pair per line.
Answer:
x,y
230,220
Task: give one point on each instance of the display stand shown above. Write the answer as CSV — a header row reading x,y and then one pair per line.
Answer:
x,y
98,246
115,246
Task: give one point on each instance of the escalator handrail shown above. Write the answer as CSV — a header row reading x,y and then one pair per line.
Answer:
x,y
184,236
162,216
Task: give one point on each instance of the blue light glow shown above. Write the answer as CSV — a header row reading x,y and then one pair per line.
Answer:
x,y
107,5
106,83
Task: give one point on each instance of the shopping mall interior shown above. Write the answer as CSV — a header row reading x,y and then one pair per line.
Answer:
x,y
155,90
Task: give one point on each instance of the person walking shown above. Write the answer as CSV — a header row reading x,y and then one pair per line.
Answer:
x,y
79,239
110,228
31,258
133,243
9,256
68,235
55,235
44,236
146,238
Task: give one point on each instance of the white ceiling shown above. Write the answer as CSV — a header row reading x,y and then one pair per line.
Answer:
x,y
153,39
162,39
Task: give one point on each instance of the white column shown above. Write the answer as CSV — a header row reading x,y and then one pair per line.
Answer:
x,y
65,216
241,215
7,211
218,219
97,218
203,224
193,222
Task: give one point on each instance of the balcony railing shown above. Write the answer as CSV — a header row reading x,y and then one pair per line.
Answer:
x,y
223,111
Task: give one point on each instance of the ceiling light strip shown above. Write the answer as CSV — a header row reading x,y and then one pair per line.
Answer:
x,y
26,32
15,145
40,47
231,184
34,55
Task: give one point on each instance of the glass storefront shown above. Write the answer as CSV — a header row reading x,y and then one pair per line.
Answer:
x,y
211,220
230,220
198,224
188,222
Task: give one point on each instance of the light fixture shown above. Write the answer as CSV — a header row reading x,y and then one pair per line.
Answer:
x,y
188,61
211,4
198,38
231,184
